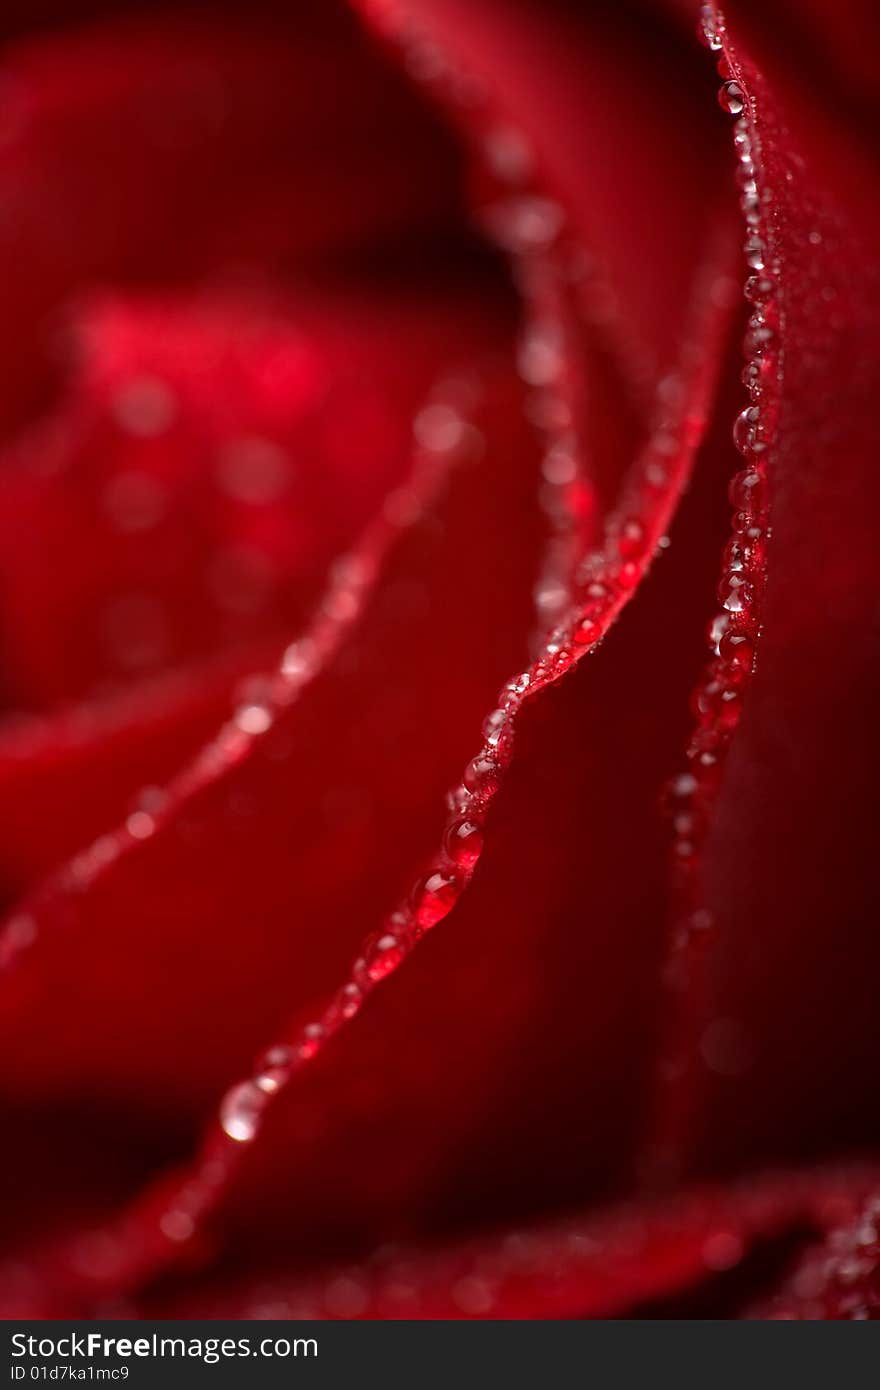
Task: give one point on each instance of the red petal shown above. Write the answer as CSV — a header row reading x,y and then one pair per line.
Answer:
x,y
159,147
790,867
602,1264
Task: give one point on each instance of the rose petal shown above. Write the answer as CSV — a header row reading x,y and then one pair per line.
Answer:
x,y
603,1264
157,147
790,866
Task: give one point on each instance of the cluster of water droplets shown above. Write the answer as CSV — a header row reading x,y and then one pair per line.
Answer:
x,y
530,228
733,634
600,581
603,582
443,437
550,1267
841,1279
528,224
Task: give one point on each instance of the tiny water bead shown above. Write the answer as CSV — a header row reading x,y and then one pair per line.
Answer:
x,y
630,541
748,433
587,632
382,954
748,492
755,250
464,842
707,29
630,538
434,898
525,224
759,337
241,1110
718,700
140,825
482,776
735,592
496,728
737,649
177,1225
253,719
759,288
731,98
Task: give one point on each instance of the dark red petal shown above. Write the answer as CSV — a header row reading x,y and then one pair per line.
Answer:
x,y
581,82
255,845
457,996
157,147
209,458
161,1065
124,748
791,868
838,1278
601,1264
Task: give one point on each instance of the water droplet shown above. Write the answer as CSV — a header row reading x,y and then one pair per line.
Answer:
x,y
140,825
759,337
176,1225
439,428
241,1109
434,898
349,999
518,684
716,630
271,1079
496,730
742,144
748,492
758,289
540,357
731,98
525,224
737,650
276,1058
464,842
482,776
383,955
707,30
747,431
630,539
756,374
298,661
253,719
587,632
734,592
755,251
678,794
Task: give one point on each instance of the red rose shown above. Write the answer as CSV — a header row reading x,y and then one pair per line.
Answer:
x,y
361,368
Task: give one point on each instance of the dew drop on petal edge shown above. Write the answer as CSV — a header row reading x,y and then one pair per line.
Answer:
x,y
240,1110
464,841
731,98
737,650
434,898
